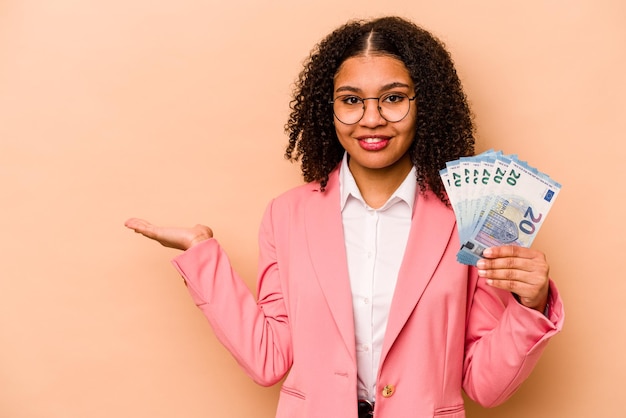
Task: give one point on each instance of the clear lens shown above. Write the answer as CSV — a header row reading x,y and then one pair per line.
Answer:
x,y
394,106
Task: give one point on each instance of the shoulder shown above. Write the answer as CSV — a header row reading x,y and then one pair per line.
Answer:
x,y
291,210
304,202
299,192
310,191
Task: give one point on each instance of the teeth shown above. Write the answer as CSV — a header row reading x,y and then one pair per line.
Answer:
x,y
372,140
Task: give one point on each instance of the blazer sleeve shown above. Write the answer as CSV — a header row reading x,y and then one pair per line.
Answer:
x,y
256,333
504,341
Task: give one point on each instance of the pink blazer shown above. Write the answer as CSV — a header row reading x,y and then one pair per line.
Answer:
x,y
446,331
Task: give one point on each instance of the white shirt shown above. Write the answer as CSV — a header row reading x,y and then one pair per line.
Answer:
x,y
375,241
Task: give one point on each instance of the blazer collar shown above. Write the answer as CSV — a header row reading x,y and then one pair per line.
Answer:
x,y
325,238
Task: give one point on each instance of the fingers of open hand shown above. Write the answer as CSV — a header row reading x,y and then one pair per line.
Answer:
x,y
141,227
172,237
168,237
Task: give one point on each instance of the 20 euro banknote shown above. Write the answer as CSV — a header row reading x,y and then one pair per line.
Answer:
x,y
497,200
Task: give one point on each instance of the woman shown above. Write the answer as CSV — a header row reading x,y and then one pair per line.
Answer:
x,y
360,297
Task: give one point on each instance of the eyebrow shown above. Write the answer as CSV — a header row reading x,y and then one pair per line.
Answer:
x,y
386,87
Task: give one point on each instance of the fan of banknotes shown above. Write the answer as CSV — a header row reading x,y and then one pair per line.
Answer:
x,y
497,200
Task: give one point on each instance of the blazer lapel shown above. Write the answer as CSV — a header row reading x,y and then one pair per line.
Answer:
x,y
431,229
324,230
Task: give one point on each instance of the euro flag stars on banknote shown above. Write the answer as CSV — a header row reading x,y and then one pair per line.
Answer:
x,y
497,200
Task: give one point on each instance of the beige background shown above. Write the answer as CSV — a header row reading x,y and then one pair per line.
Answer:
x,y
174,111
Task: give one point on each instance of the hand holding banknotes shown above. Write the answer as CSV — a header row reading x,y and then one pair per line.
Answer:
x,y
500,203
520,270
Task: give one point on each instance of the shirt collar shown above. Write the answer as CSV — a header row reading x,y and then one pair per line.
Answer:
x,y
347,186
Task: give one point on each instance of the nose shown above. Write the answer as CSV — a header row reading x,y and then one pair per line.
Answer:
x,y
371,113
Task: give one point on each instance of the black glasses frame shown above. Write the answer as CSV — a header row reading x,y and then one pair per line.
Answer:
x,y
332,103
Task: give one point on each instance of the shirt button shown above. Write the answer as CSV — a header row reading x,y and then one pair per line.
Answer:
x,y
388,390
366,301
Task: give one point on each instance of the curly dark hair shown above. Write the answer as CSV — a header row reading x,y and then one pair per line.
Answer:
x,y
444,127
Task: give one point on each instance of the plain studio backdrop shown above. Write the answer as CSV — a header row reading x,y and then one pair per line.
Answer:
x,y
174,111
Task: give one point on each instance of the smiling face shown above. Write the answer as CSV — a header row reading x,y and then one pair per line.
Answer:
x,y
376,146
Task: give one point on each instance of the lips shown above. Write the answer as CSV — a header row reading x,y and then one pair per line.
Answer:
x,y
374,142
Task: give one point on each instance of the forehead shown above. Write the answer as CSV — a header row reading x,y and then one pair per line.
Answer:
x,y
372,72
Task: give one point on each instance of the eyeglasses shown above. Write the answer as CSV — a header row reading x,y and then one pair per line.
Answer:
x,y
393,107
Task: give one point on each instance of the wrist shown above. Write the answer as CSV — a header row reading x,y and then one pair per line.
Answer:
x,y
543,307
202,233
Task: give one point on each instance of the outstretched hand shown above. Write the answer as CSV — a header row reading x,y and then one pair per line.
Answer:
x,y
172,237
520,270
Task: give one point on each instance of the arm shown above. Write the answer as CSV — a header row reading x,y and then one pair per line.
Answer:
x,y
505,338
256,333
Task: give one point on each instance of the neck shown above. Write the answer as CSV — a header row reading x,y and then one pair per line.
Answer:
x,y
377,185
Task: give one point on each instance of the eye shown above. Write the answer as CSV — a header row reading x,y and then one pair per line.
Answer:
x,y
350,100
394,98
